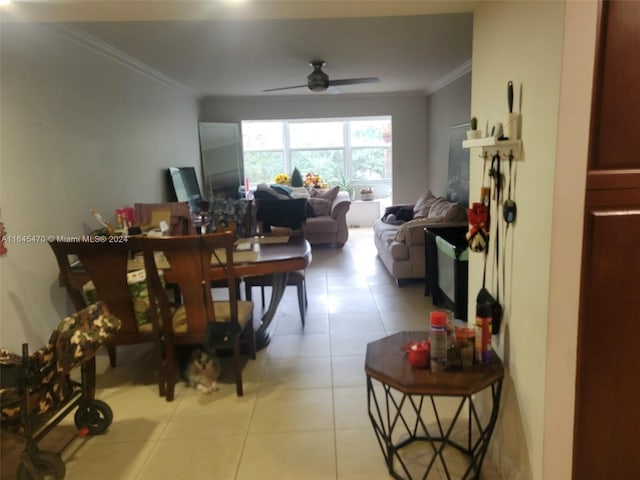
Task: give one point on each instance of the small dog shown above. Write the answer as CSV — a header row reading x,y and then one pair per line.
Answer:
x,y
203,370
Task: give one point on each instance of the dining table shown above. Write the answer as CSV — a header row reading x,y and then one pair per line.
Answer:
x,y
274,255
277,257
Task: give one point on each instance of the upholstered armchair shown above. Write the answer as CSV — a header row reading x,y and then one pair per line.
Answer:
x,y
331,228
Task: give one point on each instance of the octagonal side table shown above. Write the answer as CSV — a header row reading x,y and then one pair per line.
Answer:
x,y
402,401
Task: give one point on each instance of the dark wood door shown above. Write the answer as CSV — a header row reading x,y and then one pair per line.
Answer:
x,y
607,413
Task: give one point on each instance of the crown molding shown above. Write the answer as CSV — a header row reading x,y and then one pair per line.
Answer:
x,y
450,77
102,48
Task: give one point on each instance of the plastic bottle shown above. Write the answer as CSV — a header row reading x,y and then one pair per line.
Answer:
x,y
483,333
438,340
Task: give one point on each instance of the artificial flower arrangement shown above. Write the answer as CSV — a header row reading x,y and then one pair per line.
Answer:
x,y
312,180
281,179
227,214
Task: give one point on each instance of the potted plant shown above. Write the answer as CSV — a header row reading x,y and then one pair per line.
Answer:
x,y
366,193
345,186
474,132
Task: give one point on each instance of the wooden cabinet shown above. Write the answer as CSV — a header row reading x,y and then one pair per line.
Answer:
x,y
608,364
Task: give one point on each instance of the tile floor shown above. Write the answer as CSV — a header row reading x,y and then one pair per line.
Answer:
x,y
304,412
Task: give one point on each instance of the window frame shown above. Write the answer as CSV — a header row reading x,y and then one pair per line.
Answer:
x,y
346,147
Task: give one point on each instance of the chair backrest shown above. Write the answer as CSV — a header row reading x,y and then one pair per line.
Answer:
x,y
180,214
105,264
189,266
219,248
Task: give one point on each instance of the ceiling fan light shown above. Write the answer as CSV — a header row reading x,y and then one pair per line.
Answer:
x,y
317,86
317,81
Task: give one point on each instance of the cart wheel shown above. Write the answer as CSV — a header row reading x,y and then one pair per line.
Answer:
x,y
96,416
48,465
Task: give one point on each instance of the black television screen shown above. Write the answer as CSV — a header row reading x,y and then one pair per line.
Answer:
x,y
183,183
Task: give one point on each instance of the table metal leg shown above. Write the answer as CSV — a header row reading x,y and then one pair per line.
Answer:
x,y
277,291
394,430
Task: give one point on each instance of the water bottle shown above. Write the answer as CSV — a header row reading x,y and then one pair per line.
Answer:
x,y
438,340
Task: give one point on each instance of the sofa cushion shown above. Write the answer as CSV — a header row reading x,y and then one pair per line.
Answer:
x,y
403,229
380,228
457,213
423,204
320,206
324,224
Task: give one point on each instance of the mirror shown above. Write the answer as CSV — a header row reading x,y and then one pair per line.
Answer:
x,y
221,153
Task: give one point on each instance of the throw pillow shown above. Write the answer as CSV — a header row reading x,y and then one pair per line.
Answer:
x,y
320,206
329,195
440,207
423,204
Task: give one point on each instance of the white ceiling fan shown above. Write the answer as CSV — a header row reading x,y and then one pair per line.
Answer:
x,y
318,81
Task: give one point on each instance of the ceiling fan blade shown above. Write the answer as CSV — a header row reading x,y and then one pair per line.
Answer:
x,y
284,88
354,81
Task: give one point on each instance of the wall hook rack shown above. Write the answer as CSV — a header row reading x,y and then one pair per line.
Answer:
x,y
492,146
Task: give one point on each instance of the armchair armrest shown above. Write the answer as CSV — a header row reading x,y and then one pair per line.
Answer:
x,y
340,205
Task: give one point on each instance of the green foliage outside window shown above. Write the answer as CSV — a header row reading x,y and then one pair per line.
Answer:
x,y
262,167
361,153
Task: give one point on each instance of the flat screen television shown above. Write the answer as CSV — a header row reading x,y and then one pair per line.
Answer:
x,y
183,186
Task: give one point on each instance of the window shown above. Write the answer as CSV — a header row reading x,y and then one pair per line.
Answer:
x,y
357,150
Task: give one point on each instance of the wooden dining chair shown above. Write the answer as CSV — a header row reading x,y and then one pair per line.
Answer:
x,y
105,264
186,261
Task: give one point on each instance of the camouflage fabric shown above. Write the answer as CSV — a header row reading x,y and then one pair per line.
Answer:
x,y
79,336
47,389
75,340
139,294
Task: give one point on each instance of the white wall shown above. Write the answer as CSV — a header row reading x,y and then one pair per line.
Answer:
x,y
446,108
566,246
79,131
522,42
408,113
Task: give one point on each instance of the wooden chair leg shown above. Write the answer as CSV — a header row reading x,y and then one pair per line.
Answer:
x,y
111,349
160,367
170,372
237,366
